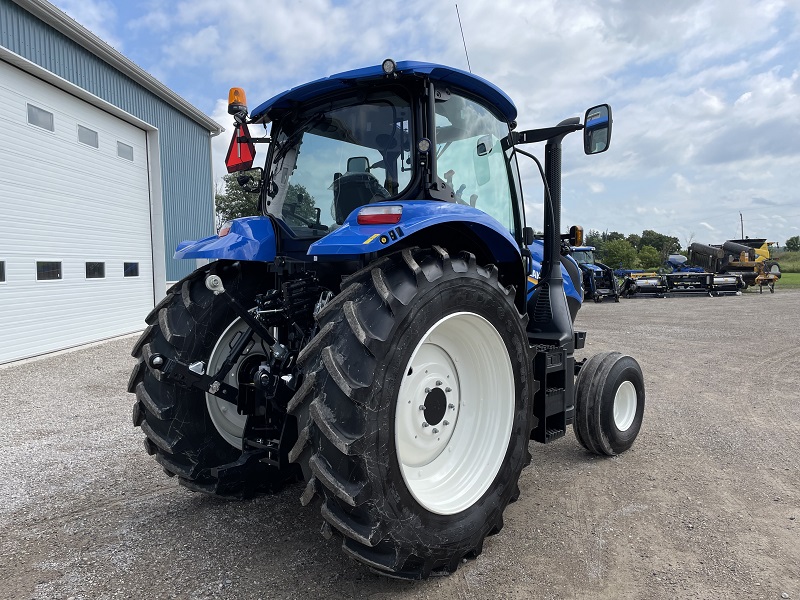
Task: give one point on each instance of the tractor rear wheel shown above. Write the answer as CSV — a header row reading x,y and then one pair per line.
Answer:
x,y
609,403
415,411
188,432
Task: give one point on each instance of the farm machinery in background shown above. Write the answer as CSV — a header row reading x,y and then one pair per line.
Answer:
x,y
677,276
747,258
599,280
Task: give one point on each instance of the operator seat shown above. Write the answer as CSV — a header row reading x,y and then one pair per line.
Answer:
x,y
355,188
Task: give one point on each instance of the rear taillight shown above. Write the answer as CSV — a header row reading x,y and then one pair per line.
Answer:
x,y
379,215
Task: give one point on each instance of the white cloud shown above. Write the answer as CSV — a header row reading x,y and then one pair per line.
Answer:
x,y
98,16
704,92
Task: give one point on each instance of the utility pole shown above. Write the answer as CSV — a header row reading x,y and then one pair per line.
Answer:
x,y
742,223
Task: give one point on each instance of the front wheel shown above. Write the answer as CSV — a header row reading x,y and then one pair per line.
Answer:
x,y
416,420
609,403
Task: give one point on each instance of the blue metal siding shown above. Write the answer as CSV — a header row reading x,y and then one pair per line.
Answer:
x,y
186,175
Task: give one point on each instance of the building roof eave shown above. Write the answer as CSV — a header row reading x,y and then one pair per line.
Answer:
x,y
64,24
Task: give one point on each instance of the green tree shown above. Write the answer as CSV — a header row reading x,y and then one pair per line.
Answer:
x,y
300,203
635,240
620,253
793,244
665,244
234,201
594,238
649,257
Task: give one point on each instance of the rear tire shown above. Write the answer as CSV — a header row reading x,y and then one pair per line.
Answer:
x,y
415,411
188,432
609,403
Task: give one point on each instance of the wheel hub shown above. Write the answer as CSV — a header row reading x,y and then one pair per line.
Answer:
x,y
427,417
625,405
435,405
454,413
228,422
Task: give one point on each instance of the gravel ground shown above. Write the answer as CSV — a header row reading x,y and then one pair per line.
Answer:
x,y
705,504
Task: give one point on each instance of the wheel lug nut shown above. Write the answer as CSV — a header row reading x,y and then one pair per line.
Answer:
x,y
424,424
422,407
445,423
447,389
451,406
427,390
438,382
434,431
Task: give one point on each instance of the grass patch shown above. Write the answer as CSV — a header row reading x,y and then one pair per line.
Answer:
x,y
789,261
788,281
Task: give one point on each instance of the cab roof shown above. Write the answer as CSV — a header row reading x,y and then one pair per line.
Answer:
x,y
438,73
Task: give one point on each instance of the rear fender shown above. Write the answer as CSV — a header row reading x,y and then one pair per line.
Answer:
x,y
572,289
418,217
249,238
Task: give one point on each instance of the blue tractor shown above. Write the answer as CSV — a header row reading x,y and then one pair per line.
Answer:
x,y
386,330
598,279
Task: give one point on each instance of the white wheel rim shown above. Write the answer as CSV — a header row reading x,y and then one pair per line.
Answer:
x,y
459,373
625,403
229,423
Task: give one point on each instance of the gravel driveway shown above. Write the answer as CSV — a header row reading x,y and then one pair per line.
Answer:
x,y
705,504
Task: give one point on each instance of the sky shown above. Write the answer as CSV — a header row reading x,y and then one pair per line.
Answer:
x,y
705,93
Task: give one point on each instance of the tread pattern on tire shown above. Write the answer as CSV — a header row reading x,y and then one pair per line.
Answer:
x,y
180,435
588,425
337,445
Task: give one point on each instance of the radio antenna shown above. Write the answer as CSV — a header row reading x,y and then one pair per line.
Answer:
x,y
462,39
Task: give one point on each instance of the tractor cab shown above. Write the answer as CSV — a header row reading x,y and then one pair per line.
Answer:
x,y
371,331
412,131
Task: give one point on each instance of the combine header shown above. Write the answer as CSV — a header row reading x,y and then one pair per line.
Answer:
x,y
681,279
749,259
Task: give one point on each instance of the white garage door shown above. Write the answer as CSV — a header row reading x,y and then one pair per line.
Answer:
x,y
76,261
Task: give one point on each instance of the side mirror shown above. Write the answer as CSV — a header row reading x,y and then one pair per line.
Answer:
x,y
484,145
597,129
528,235
358,164
483,148
576,235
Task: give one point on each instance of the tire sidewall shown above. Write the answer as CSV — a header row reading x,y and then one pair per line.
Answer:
x,y
460,292
623,370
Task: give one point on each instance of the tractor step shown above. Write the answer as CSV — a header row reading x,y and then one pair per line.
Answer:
x,y
553,434
553,402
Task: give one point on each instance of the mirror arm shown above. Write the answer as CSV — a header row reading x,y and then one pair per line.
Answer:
x,y
531,136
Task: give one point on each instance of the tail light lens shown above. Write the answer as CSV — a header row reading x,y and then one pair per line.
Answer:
x,y
379,215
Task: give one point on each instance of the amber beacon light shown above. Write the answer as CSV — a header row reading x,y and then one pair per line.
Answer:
x,y
237,101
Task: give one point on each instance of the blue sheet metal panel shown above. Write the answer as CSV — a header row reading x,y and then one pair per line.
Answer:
x,y
250,238
537,256
441,73
186,175
354,239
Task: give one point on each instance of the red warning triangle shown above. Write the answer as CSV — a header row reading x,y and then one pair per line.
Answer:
x,y
241,152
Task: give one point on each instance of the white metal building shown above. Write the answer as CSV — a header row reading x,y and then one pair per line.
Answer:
x,y
91,205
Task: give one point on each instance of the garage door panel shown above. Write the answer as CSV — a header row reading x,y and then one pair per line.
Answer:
x,y
65,201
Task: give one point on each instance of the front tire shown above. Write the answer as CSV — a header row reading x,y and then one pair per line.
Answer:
x,y
609,403
415,411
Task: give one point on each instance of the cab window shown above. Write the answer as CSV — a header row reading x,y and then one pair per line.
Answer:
x,y
470,157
